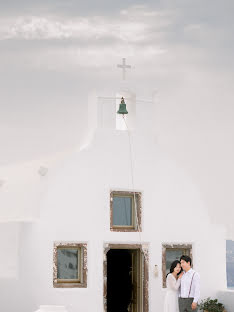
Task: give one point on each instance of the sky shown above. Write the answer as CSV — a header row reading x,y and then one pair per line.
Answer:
x,y
53,53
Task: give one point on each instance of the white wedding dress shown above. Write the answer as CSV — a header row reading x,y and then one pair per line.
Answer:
x,y
171,299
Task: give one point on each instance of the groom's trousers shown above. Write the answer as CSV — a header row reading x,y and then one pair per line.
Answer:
x,y
185,305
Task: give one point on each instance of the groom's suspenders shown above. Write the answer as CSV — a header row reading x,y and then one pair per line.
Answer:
x,y
191,284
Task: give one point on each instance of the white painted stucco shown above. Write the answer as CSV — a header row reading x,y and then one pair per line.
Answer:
x,y
75,207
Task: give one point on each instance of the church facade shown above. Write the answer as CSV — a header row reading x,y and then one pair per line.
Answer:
x,y
100,230
116,214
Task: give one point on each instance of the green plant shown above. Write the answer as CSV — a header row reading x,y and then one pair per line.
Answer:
x,y
211,305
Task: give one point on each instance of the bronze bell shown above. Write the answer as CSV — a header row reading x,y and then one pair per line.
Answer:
x,y
122,107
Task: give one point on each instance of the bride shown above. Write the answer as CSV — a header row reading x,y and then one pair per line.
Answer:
x,y
173,283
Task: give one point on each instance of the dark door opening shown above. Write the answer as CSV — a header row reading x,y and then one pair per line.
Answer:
x,y
123,280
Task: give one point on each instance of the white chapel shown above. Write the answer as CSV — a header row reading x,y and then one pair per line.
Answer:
x,y
97,229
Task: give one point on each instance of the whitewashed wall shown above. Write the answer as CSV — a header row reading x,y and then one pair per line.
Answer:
x,y
76,208
227,297
9,251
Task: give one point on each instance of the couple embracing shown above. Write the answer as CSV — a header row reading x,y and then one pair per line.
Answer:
x,y
183,287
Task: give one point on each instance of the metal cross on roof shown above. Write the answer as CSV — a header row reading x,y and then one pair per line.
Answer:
x,y
123,66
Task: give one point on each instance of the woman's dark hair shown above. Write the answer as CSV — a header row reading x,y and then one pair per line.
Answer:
x,y
186,259
173,266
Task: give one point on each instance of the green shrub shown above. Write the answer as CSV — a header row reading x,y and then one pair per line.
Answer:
x,y
211,305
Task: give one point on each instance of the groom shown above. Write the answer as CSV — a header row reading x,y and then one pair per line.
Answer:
x,y
190,287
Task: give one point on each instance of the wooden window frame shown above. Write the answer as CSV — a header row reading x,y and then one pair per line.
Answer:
x,y
165,247
124,228
72,283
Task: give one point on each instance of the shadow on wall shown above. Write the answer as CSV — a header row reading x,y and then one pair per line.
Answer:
x,y
227,298
50,308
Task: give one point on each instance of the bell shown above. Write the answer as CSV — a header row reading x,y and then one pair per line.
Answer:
x,y
122,107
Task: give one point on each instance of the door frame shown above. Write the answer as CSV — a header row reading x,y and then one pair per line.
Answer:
x,y
144,250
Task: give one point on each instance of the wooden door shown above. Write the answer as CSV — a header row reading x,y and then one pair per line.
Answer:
x,y
136,274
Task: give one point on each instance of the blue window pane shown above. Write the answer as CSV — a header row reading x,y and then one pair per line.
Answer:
x,y
172,255
122,211
230,263
68,263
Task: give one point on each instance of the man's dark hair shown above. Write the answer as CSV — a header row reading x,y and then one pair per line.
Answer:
x,y
186,258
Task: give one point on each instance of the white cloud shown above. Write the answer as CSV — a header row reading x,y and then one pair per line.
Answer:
x,y
132,25
81,28
168,37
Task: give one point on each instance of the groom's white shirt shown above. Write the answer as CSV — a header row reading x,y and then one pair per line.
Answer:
x,y
185,285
